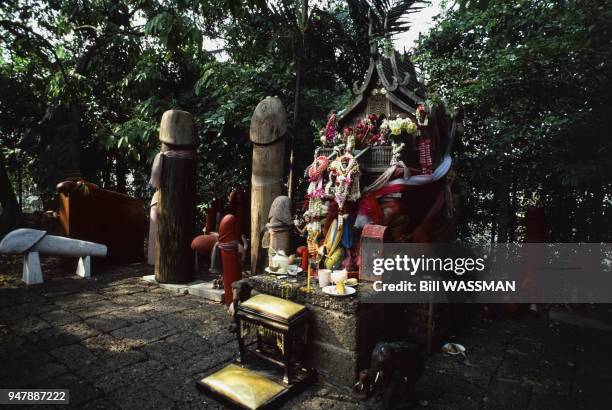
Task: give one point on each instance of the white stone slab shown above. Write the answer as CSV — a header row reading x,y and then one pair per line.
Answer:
x,y
206,291
178,288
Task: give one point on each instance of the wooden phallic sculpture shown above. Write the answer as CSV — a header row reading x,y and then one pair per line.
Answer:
x,y
268,128
174,176
32,242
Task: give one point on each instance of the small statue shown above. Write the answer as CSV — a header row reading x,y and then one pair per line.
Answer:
x,y
241,291
277,232
394,371
349,139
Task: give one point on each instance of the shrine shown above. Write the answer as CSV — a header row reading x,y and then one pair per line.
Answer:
x,y
380,174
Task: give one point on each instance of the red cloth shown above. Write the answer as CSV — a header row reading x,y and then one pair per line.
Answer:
x,y
229,233
228,229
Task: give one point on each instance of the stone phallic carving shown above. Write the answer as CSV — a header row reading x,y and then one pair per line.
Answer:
x,y
32,242
277,232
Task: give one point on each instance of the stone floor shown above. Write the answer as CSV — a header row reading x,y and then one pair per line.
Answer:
x,y
118,342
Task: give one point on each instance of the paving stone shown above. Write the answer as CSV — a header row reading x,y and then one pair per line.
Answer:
x,y
57,336
140,397
81,391
107,322
142,333
26,359
15,314
136,314
123,289
200,364
321,398
552,400
191,342
507,394
60,317
30,375
31,324
116,341
97,308
180,389
73,356
167,353
12,344
77,301
100,404
129,375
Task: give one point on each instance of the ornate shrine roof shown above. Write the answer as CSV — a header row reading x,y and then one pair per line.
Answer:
x,y
394,76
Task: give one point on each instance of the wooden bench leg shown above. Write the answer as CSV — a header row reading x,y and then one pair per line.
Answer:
x,y
287,357
241,349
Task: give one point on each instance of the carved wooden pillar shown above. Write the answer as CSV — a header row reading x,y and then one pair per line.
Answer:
x,y
268,127
174,261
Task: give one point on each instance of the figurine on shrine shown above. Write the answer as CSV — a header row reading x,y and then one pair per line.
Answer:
x,y
328,137
349,139
277,232
345,170
425,141
315,175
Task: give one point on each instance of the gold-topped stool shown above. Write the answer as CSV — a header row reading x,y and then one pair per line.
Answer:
x,y
280,330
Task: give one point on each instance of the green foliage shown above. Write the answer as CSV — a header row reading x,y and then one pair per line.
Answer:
x,y
531,78
108,69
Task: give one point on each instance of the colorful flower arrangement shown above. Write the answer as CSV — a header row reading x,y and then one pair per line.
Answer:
x,y
370,131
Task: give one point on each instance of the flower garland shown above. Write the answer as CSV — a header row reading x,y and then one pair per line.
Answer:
x,y
315,175
346,184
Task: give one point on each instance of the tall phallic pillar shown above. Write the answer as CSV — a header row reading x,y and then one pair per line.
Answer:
x,y
268,128
174,175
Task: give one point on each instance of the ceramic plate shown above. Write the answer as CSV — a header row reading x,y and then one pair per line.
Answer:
x,y
454,349
331,290
279,273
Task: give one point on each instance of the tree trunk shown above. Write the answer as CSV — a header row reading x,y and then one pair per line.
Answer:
x,y
512,223
121,174
299,51
8,200
503,212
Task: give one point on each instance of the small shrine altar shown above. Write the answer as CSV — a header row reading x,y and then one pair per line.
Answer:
x,y
380,173
342,330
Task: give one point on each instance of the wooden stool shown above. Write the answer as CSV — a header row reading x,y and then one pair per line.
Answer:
x,y
281,320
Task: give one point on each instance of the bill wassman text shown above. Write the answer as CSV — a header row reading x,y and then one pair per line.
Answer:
x,y
447,286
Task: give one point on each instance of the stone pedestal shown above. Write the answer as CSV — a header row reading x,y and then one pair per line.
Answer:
x,y
346,329
342,328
